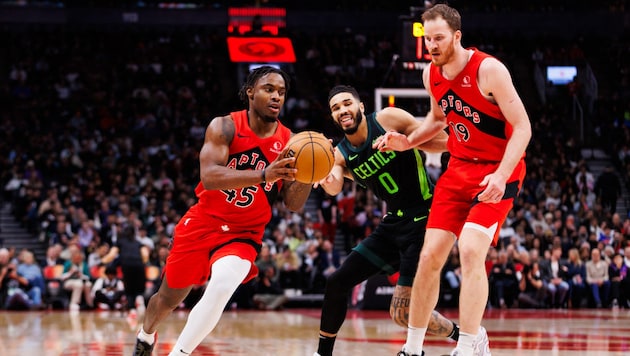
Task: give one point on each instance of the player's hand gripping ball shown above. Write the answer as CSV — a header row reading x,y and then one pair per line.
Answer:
x,y
314,156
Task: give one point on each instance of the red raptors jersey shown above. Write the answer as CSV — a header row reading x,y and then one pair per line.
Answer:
x,y
247,207
478,130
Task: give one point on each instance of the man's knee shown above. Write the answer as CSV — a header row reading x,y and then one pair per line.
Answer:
x,y
430,262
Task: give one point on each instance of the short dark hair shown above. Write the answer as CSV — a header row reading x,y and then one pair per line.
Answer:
x,y
110,270
128,232
343,89
258,73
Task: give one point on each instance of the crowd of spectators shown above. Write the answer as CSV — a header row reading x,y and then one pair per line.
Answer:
x,y
100,132
536,6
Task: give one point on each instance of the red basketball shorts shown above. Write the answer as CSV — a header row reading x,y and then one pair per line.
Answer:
x,y
455,200
199,240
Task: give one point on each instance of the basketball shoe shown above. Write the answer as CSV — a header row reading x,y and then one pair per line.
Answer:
x,y
481,345
403,353
143,348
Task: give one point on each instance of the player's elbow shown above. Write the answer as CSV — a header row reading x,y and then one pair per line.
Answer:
x,y
207,184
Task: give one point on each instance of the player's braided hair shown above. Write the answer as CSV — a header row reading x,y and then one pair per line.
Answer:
x,y
256,74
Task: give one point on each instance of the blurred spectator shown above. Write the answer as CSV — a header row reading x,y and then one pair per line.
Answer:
x,y
108,291
619,282
554,273
76,279
313,280
29,269
131,256
288,264
16,292
265,260
532,288
347,222
328,259
52,256
95,258
608,189
86,234
584,178
506,233
327,214
597,278
268,294
576,277
503,282
144,239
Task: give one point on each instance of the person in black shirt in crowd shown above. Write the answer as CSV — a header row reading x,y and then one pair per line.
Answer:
x,y
131,256
503,282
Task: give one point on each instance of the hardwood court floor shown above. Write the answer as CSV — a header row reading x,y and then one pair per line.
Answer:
x,y
293,332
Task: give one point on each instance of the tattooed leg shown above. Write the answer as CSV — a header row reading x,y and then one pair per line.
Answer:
x,y
399,312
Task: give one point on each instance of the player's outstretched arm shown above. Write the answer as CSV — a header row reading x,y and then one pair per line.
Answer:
x,y
333,182
401,124
415,135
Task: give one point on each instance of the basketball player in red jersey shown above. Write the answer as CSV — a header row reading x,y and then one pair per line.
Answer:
x,y
242,171
473,95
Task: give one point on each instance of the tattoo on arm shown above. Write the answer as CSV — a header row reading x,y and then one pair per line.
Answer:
x,y
227,130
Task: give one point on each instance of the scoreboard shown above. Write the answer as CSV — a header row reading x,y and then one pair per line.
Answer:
x,y
414,54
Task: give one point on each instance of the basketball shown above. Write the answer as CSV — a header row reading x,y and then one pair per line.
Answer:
x,y
314,156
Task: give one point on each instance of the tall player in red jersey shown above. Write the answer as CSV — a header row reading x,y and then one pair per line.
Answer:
x,y
473,95
242,172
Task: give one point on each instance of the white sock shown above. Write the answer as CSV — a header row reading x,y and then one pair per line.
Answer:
x,y
465,342
415,340
227,274
177,351
146,337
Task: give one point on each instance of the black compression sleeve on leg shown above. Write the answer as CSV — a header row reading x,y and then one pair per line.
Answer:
x,y
455,333
354,270
326,344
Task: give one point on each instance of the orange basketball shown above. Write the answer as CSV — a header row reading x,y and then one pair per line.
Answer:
x,y
314,156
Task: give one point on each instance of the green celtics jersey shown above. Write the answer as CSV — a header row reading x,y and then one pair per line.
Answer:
x,y
398,178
